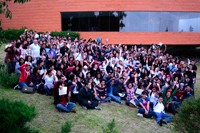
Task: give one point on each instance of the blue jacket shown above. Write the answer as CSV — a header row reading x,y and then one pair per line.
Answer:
x,y
108,85
147,100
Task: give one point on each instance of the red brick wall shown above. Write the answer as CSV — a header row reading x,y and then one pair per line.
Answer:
x,y
44,15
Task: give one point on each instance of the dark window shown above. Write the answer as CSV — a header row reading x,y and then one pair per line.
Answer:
x,y
129,21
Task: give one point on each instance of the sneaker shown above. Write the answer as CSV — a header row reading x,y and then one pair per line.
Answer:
x,y
140,115
163,121
97,108
73,111
160,122
85,108
16,87
120,102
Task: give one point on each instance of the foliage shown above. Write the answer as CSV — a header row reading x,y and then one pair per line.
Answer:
x,y
66,128
2,39
14,115
7,80
4,7
110,127
73,35
188,119
40,32
11,34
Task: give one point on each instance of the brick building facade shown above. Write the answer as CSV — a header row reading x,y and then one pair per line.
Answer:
x,y
45,15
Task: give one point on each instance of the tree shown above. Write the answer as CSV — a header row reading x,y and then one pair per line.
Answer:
x,y
4,7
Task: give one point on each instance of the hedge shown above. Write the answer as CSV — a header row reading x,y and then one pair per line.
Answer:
x,y
73,35
11,34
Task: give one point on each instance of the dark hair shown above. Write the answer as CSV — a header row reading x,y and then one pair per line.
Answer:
x,y
86,83
160,96
144,93
59,77
59,83
101,80
26,59
20,60
35,69
48,71
121,78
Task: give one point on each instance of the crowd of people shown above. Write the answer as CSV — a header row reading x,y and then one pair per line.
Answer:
x,y
150,80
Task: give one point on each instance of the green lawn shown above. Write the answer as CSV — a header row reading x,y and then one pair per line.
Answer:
x,y
49,120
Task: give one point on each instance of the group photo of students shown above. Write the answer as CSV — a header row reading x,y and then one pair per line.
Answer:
x,y
91,73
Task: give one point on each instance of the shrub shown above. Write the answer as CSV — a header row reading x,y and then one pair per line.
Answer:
x,y
110,127
188,119
7,80
40,32
66,128
73,35
14,116
11,34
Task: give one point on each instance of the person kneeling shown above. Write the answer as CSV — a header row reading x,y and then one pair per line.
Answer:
x,y
159,110
60,101
145,109
85,98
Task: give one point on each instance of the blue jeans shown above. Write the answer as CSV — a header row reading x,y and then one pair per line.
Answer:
x,y
114,98
47,91
162,115
66,107
21,84
149,115
103,101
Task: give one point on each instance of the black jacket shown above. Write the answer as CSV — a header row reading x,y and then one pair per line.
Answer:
x,y
63,50
85,96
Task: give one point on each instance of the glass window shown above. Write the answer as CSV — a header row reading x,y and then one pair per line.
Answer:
x,y
130,21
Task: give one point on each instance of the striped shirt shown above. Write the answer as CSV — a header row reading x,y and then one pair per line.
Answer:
x,y
101,91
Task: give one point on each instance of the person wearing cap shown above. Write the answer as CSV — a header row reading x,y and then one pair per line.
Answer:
x,y
85,70
25,72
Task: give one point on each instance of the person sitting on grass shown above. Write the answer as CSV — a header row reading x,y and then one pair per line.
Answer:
x,y
131,99
110,90
35,78
145,109
159,109
25,72
102,92
49,78
85,98
170,106
60,101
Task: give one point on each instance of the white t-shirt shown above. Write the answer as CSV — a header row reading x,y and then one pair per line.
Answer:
x,y
35,49
49,80
159,108
152,97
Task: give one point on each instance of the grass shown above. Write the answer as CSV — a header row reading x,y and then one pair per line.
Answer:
x,y
49,120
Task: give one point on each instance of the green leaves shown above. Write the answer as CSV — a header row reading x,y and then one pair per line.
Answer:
x,y
188,119
14,115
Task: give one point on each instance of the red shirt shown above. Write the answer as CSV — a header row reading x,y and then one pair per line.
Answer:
x,y
24,73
